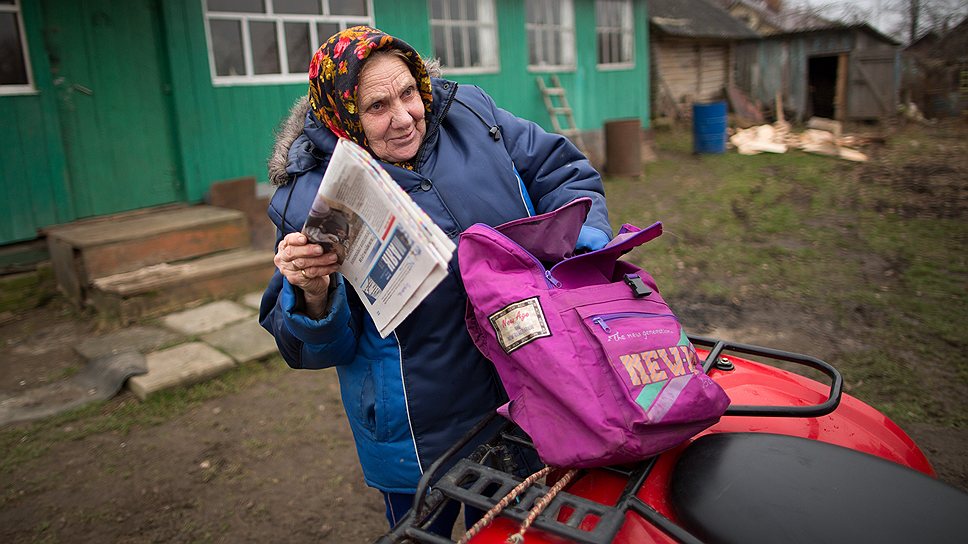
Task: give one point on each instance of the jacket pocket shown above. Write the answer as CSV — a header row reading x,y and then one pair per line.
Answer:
x,y
364,397
642,349
659,370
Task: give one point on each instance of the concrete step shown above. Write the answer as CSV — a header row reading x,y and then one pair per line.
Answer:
x,y
162,288
84,251
183,364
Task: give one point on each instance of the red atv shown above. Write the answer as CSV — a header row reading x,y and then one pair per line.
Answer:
x,y
793,460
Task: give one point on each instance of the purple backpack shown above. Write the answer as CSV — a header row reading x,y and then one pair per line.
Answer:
x,y
597,367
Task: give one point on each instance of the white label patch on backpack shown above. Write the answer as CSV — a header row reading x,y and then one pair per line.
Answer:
x,y
519,323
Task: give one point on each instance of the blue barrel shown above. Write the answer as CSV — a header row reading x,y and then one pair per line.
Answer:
x,y
709,127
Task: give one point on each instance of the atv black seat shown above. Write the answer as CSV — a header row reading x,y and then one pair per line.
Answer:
x,y
755,487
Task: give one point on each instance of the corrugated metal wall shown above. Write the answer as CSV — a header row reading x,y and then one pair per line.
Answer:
x,y
780,65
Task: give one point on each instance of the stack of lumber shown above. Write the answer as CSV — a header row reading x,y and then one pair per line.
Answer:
x,y
822,136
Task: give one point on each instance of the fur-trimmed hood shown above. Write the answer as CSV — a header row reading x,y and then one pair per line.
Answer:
x,y
293,126
286,134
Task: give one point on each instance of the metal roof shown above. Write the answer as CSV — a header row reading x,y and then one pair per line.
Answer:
x,y
836,27
696,19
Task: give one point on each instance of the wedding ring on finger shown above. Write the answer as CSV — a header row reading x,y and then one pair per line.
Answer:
x,y
304,274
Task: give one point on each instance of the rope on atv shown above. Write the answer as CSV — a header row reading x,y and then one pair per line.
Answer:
x,y
536,510
540,505
502,504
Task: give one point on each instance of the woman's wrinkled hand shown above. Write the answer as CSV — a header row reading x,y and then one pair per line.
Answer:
x,y
308,267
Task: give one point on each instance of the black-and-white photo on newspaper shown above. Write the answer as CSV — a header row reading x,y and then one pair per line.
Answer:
x,y
389,250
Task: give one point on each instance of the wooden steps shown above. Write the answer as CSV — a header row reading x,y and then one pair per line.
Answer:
x,y
162,288
149,262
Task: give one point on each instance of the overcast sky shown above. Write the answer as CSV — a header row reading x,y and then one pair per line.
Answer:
x,y
882,13
887,15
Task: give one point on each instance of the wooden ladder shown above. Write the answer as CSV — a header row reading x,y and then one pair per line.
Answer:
x,y
560,109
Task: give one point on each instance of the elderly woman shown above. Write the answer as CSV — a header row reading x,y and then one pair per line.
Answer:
x,y
463,160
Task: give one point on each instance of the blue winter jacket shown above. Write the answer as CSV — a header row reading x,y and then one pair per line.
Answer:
x,y
412,395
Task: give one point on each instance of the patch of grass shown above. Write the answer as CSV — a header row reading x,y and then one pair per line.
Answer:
x,y
19,292
877,374
864,244
27,442
741,222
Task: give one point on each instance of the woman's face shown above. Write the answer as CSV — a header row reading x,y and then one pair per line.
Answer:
x,y
390,109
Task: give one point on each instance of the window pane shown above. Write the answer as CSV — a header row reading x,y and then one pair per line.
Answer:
x,y
12,68
554,48
312,7
455,11
325,31
533,37
347,7
440,45
615,29
297,47
532,8
8,2
455,36
265,48
436,9
247,6
227,47
474,48
470,10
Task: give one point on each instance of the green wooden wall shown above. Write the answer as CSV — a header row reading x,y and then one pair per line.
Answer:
x,y
224,132
33,180
115,113
227,132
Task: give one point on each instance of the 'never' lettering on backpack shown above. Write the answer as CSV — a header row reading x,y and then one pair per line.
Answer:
x,y
597,368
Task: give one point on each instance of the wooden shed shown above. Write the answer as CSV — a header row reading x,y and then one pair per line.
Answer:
x,y
840,72
935,73
692,45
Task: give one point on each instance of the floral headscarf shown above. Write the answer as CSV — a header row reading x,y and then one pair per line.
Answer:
x,y
334,77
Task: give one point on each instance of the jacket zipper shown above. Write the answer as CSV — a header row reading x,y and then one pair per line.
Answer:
x,y
433,130
602,319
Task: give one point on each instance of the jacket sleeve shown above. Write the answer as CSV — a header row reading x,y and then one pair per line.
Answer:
x,y
302,341
554,171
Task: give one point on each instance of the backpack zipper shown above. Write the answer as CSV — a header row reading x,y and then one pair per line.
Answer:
x,y
549,279
602,320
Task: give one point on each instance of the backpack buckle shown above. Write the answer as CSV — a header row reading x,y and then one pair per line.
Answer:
x,y
639,288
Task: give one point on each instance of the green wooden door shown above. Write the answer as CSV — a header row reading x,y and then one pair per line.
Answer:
x,y
109,67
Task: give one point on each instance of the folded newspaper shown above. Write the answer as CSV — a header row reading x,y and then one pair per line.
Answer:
x,y
390,251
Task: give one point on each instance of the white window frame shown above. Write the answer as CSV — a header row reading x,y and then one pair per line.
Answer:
x,y
486,28
566,31
287,76
27,88
626,32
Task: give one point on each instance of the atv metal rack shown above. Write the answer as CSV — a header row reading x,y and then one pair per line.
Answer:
x,y
478,482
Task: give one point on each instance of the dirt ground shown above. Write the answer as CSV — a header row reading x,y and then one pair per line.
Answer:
x,y
274,460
